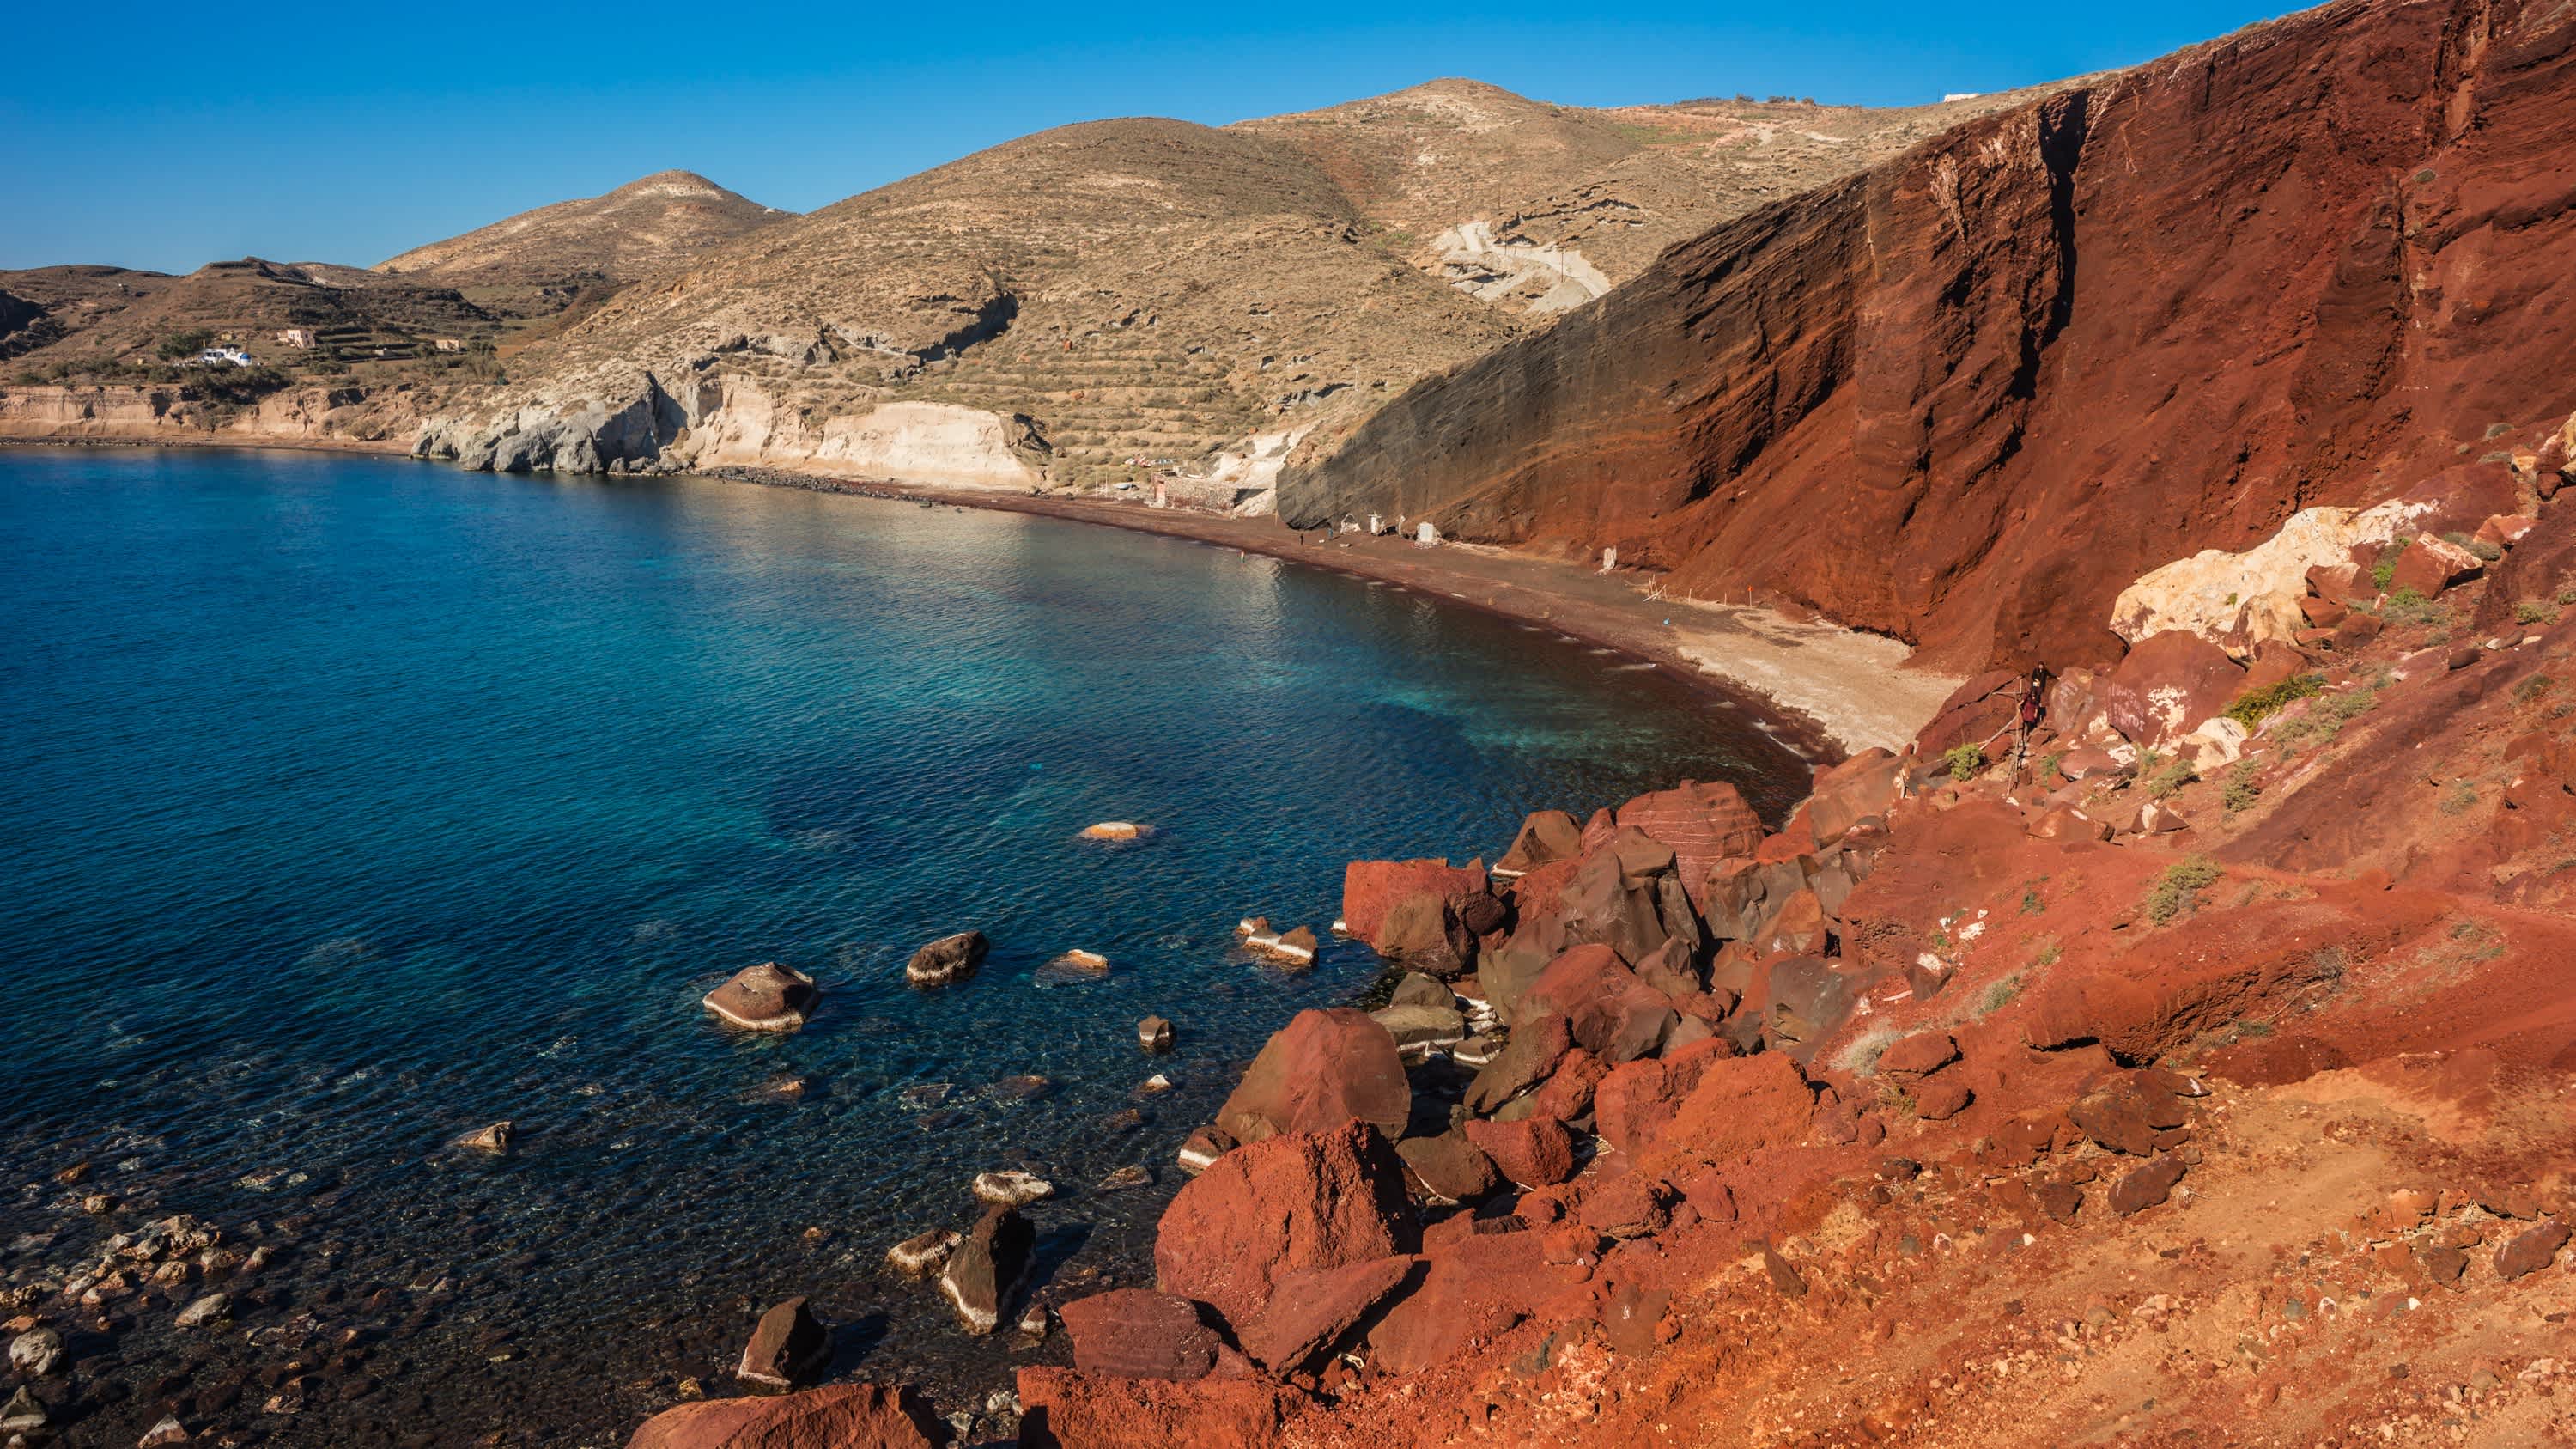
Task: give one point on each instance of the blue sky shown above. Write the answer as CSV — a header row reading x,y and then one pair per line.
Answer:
x,y
167,135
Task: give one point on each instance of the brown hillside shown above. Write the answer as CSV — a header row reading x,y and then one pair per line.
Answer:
x,y
645,227
1128,297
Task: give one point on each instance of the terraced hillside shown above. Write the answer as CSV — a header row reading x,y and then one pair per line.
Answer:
x,y
1149,300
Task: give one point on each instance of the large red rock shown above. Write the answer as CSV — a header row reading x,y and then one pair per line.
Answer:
x,y
1311,1309
766,997
1535,1151
1968,395
1371,888
838,1416
1860,787
1068,1409
1139,1334
1546,835
2168,685
1610,1012
1633,1102
1326,1066
1296,1201
1626,894
1475,1287
1701,823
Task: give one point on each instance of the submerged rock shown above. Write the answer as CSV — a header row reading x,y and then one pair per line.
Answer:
x,y
1154,1034
36,1352
766,997
790,1347
947,960
923,1254
22,1413
495,1139
1011,1188
1116,830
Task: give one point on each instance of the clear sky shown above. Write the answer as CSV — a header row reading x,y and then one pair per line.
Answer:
x,y
167,135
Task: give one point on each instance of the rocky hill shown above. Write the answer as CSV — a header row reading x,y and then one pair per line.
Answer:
x,y
1985,384
1123,299
540,261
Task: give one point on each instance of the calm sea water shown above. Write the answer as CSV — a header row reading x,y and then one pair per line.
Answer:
x,y
349,804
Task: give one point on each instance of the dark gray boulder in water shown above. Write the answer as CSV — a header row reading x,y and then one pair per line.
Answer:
x,y
946,960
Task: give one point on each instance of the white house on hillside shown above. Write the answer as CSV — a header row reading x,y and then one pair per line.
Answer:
x,y
224,355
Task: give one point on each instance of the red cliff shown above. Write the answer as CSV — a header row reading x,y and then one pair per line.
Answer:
x,y
1967,396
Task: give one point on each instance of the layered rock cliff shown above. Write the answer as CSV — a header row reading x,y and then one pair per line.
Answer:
x,y
1968,395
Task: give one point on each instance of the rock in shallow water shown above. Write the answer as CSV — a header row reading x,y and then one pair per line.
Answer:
x,y
36,1352
495,1139
766,997
946,960
1011,1188
1154,1034
986,1267
790,1347
923,1254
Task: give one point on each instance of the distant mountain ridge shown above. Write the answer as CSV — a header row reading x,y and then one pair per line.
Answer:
x,y
642,227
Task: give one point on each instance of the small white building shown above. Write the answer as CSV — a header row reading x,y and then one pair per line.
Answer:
x,y
299,338
223,355
449,344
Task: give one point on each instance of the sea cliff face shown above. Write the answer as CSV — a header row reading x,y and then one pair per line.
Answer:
x,y
347,417
1965,397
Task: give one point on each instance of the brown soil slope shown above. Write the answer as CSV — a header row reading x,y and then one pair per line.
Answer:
x,y
1988,383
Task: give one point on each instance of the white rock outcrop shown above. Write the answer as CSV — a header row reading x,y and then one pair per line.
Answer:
x,y
2240,600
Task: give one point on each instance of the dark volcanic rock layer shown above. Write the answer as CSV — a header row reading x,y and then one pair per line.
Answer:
x,y
1966,396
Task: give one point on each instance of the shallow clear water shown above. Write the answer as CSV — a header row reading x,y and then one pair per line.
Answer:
x,y
349,803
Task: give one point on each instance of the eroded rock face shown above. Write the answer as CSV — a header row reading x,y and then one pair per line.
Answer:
x,y
1296,1201
1323,1068
1978,443
1070,1409
840,1415
2167,686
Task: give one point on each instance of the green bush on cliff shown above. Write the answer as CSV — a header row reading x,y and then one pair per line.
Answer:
x,y
2178,890
2170,779
2256,705
2386,568
1964,761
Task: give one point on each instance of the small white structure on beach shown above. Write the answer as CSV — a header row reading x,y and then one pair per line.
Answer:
x,y
1426,536
1609,560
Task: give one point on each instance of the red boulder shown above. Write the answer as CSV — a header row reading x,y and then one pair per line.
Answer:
x,y
1371,888
2168,685
1069,1409
1326,1066
1139,1334
1296,1201
1535,1151
861,1416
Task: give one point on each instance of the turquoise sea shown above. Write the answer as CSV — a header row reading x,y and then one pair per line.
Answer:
x,y
347,804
